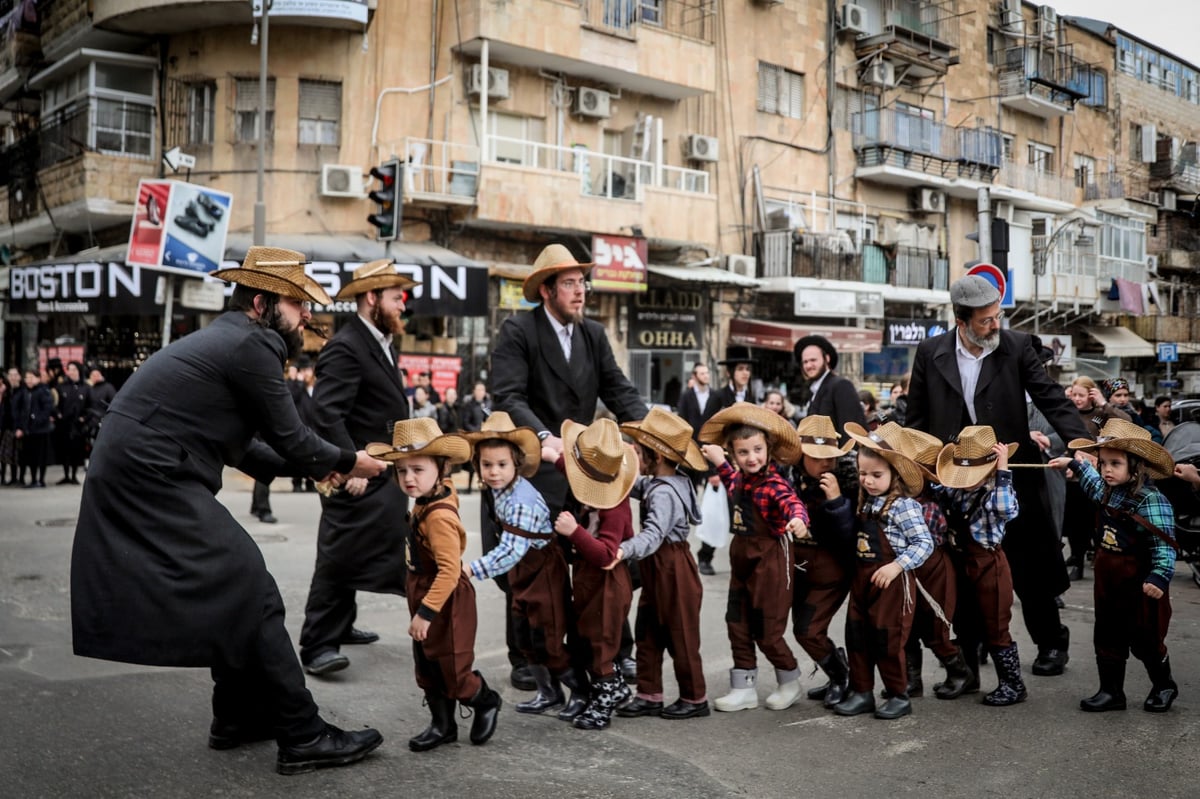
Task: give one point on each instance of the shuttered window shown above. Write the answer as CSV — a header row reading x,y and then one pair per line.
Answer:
x,y
780,91
320,111
245,109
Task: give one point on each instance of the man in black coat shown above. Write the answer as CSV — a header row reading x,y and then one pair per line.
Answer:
x,y
831,394
698,403
540,385
980,374
161,573
357,399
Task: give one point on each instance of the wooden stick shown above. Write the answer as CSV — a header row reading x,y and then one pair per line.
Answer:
x,y
1030,466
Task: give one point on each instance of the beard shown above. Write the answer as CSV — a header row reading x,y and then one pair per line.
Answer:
x,y
386,323
987,343
293,337
563,313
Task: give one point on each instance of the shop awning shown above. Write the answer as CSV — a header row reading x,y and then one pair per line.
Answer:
x,y
708,275
783,336
1121,342
324,247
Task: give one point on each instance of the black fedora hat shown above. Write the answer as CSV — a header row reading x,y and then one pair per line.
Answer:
x,y
737,353
818,341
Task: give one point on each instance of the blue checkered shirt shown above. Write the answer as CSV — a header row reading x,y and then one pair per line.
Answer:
x,y
905,530
520,505
993,513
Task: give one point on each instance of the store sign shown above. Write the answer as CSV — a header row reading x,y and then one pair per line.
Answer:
x,y
441,290
667,319
911,332
347,10
96,288
512,296
443,370
179,226
620,263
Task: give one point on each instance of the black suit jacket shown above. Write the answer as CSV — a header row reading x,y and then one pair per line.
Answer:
x,y
837,398
691,412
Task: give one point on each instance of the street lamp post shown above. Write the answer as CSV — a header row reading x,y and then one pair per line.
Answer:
x,y
260,205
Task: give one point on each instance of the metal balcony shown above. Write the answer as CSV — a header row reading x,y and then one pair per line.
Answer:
x,y
904,149
834,257
1042,80
919,37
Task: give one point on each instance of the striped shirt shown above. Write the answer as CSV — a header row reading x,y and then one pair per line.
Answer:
x,y
987,523
904,528
520,505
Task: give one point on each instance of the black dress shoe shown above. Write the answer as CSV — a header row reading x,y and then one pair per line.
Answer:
x,y
327,662
681,709
267,518
230,735
706,568
64,482
894,708
522,679
855,703
333,747
637,707
1050,662
356,636
628,669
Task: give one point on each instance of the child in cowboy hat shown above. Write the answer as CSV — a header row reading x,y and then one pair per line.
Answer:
x,y
823,559
763,511
505,456
1135,560
977,496
668,615
440,597
600,470
892,541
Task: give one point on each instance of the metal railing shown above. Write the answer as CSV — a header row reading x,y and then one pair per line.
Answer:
x,y
903,131
921,22
692,18
837,258
1066,260
1180,172
1044,184
440,167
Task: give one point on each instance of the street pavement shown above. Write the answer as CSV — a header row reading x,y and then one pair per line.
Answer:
x,y
76,727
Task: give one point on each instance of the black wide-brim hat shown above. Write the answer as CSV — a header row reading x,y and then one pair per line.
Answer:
x,y
737,353
821,342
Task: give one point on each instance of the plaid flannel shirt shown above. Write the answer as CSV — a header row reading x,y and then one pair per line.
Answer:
x,y
905,530
520,505
774,497
997,509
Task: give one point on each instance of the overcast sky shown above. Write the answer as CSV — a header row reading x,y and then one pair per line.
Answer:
x,y
1173,25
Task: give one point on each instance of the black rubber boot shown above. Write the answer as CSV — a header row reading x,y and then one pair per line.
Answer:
x,y
839,678
1011,689
958,676
486,704
581,692
1164,689
442,730
914,659
856,703
549,692
1111,695
970,654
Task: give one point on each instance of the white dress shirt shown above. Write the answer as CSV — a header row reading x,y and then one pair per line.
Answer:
x,y
385,340
969,367
563,332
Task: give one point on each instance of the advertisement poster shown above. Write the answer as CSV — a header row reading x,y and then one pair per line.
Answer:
x,y
179,226
620,263
443,370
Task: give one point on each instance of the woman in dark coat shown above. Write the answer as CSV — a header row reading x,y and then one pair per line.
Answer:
x,y
70,432
35,424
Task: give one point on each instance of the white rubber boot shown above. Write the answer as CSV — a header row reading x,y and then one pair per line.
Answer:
x,y
743,696
788,692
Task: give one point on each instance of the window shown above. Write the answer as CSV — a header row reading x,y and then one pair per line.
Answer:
x,y
107,104
200,99
992,37
245,110
652,12
320,112
1010,143
848,102
1098,90
514,139
780,91
1041,157
1085,170
1123,239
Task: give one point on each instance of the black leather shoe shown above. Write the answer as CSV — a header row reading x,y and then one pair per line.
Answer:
x,y
267,518
327,662
333,747
680,709
356,636
640,707
230,735
628,669
894,708
706,568
1050,662
522,678
1101,701
855,703
1161,697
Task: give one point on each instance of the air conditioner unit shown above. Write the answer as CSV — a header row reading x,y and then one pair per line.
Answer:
x,y
591,102
1152,265
880,73
497,82
1047,22
1004,210
1169,200
342,180
930,201
701,148
744,265
854,18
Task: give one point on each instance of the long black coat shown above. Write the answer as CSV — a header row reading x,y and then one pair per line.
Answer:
x,y
532,381
357,399
161,573
691,412
935,405
837,398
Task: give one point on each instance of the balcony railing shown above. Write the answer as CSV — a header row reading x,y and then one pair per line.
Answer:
x,y
897,138
836,258
1180,173
439,169
1024,177
1085,263
692,18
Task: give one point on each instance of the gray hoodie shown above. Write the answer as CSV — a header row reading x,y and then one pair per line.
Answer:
x,y
668,506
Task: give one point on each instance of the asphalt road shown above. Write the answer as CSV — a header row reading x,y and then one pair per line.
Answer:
x,y
76,727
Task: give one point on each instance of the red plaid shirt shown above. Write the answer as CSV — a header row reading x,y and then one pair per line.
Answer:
x,y
774,497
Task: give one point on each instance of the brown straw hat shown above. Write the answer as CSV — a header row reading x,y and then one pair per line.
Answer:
x,y
967,461
668,435
379,274
922,448
600,468
1134,439
819,438
782,436
886,441
422,436
499,425
278,271
553,259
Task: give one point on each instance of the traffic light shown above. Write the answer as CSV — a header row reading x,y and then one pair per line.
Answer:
x,y
386,218
999,243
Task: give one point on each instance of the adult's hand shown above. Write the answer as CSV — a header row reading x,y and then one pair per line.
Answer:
x,y
367,466
555,443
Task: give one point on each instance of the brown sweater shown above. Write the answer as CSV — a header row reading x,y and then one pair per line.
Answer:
x,y
440,539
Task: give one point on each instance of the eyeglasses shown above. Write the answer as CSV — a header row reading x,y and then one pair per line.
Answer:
x,y
303,305
991,321
572,284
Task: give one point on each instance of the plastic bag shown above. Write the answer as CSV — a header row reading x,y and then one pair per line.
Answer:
x,y
714,517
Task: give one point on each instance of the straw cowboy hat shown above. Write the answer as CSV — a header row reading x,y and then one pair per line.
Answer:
x,y
922,448
499,425
669,436
786,444
379,274
819,438
1134,439
886,441
422,436
553,259
278,271
600,468
967,461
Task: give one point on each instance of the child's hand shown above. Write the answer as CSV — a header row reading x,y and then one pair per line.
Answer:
x,y
467,571
1087,456
1188,472
1001,451
1063,463
798,528
1151,590
884,575
620,557
829,485
419,628
549,454
355,486
565,524
713,454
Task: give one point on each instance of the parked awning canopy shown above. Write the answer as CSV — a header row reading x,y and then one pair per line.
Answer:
x,y
1121,342
709,275
783,336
